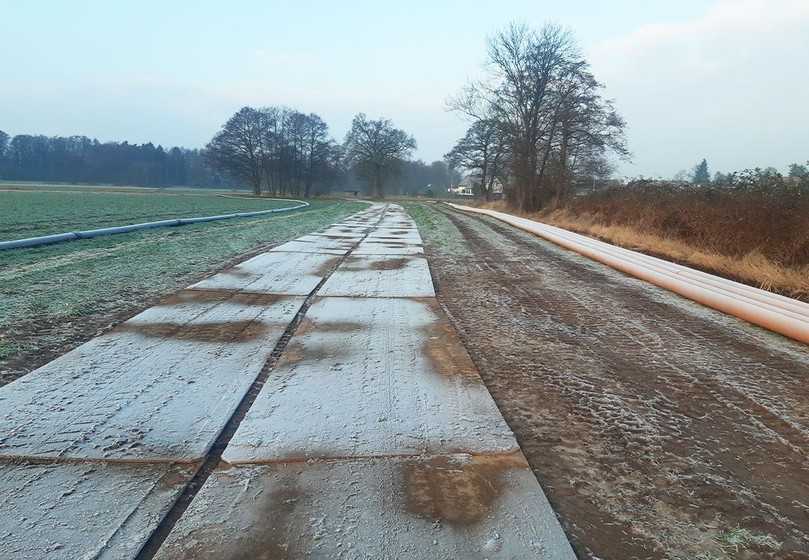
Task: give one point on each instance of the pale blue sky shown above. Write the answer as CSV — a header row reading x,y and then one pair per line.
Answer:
x,y
683,73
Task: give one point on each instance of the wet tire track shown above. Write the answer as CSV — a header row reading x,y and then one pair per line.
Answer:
x,y
655,425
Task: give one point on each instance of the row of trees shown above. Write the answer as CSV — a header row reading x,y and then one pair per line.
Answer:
x,y
283,151
700,175
276,150
272,150
538,121
79,159
416,178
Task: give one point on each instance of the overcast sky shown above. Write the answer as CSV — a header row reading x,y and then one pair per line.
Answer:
x,y
721,79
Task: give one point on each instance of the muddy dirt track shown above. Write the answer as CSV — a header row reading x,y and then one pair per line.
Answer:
x,y
657,427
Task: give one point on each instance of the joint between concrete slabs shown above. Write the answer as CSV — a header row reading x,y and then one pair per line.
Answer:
x,y
515,453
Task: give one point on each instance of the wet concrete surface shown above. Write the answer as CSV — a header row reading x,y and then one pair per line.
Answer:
x,y
372,437
656,426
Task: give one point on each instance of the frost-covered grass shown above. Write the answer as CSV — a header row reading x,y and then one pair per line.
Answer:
x,y
737,540
48,210
436,228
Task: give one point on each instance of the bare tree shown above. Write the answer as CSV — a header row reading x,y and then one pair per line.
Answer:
x,y
483,151
547,107
588,126
376,147
237,148
317,149
277,148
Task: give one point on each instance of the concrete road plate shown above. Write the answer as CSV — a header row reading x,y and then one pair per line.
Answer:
x,y
304,247
159,387
337,233
344,231
380,276
396,222
328,242
369,377
356,225
384,247
71,511
404,235
274,273
436,508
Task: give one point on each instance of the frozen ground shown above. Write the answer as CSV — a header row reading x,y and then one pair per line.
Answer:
x,y
658,428
311,402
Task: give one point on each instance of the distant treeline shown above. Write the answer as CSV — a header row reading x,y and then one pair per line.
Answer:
x,y
280,150
290,165
79,159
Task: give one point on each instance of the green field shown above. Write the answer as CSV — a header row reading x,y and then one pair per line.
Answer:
x,y
56,296
33,212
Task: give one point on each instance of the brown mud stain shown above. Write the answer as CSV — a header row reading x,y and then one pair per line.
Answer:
x,y
175,477
272,537
330,355
238,272
327,266
389,264
294,353
266,534
203,295
457,490
446,354
233,331
331,236
309,325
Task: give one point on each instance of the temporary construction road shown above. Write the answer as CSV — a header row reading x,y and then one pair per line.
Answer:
x,y
311,402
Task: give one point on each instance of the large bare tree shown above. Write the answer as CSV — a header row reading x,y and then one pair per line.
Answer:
x,y
237,148
376,147
548,107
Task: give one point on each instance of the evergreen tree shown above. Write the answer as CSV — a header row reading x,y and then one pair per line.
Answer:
x,y
701,174
799,171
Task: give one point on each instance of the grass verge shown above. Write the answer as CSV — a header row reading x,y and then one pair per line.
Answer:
x,y
751,267
29,213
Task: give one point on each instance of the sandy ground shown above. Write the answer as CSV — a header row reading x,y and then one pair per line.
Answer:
x,y
658,428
